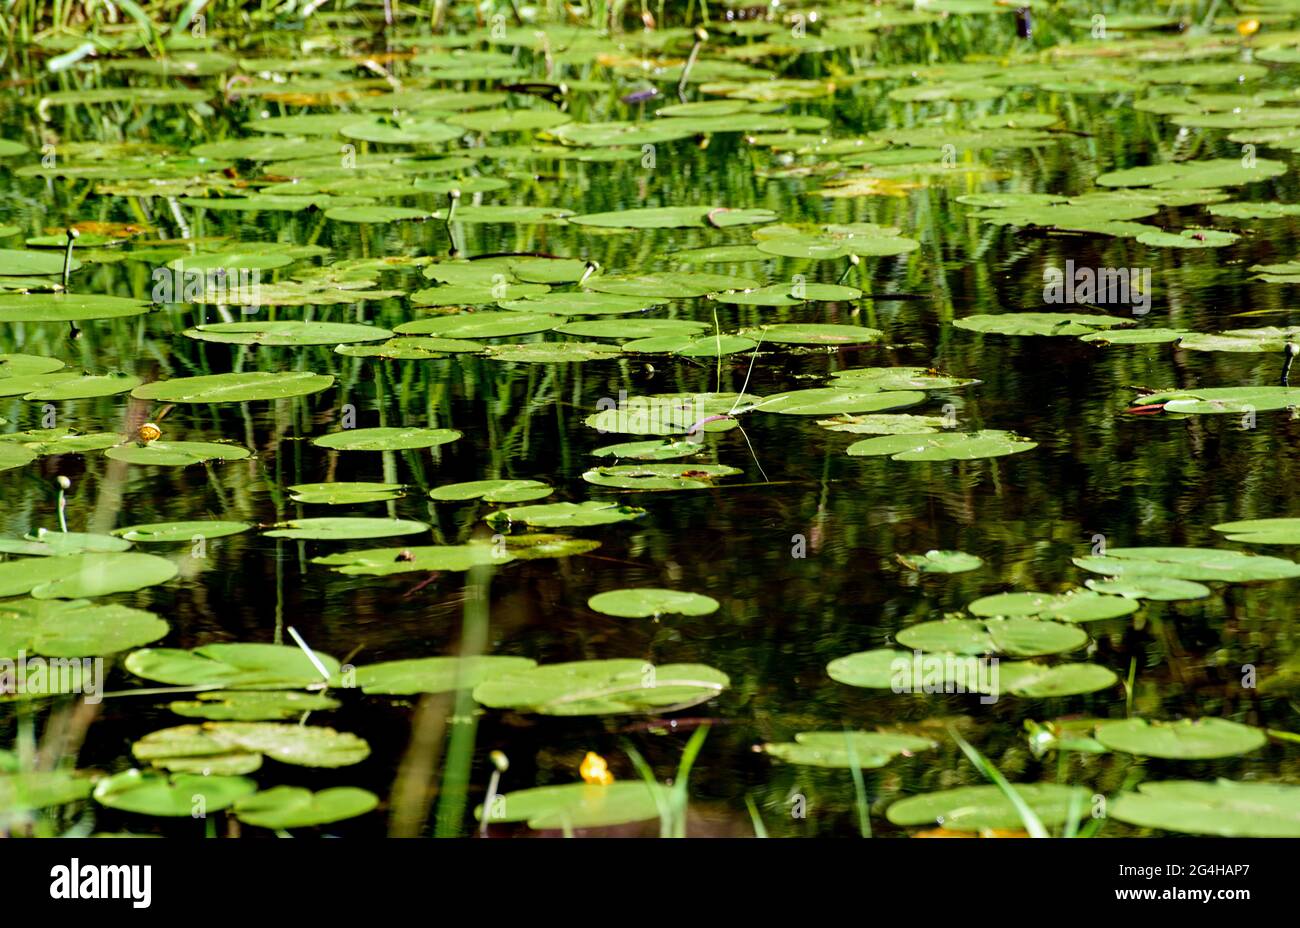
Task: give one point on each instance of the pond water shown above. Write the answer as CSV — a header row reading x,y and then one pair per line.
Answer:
x,y
864,146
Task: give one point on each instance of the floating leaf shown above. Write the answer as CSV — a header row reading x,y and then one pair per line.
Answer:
x,y
434,674
579,805
67,307
252,706
945,446
941,562
1262,531
828,401
869,749
480,325
176,453
293,807
1076,606
234,388
602,687
813,334
345,528
1186,739
76,628
980,808
83,576
658,476
1039,323
646,602
344,493
492,491
1224,808
379,562
1199,564
386,439
231,666
288,333
167,532
175,796
566,515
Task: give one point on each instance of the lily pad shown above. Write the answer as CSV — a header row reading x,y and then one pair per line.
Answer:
x,y
1198,564
83,576
579,805
1224,808
345,528
252,706
386,439
379,562
169,532
492,491
234,388
840,750
75,628
284,807
1187,739
646,602
344,493
1077,606
176,453
434,674
566,515
941,562
173,796
979,808
945,446
231,666
602,687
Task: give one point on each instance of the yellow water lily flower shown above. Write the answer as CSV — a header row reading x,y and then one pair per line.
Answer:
x,y
595,770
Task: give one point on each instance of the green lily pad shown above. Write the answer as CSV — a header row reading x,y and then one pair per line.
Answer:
x,y
287,333
1039,323
252,706
12,456
48,543
58,441
1077,606
386,439
86,387
480,325
1018,637
42,789
492,491
345,528
299,745
1224,808
1186,739
231,666
26,365
284,807
979,808
941,562
579,805
898,378
344,493
234,388
1262,531
580,303
674,217
176,453
83,576
173,796
829,401
169,532
1138,586
646,603
945,446
15,262
1038,681
553,352
1226,400
380,562
1198,564
67,307
633,328
653,450
842,750
566,515
812,333
76,628
658,476
434,674
673,285
602,687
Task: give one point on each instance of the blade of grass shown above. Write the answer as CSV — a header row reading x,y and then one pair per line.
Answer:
x,y
1033,824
